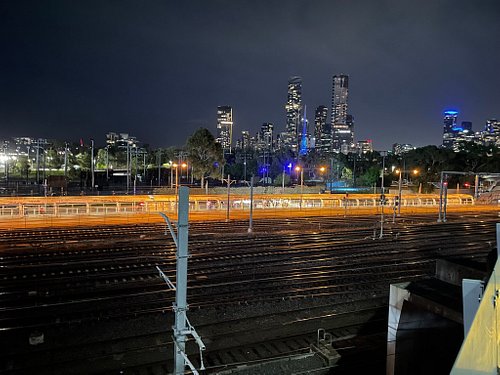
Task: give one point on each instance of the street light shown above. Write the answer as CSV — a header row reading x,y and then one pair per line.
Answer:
x,y
298,168
176,166
400,172
301,170
185,166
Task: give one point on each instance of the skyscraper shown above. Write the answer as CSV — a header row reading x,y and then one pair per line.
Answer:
x,y
225,127
322,131
266,136
341,122
491,134
293,107
450,128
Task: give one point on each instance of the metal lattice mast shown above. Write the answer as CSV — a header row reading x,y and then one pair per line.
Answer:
x,y
182,327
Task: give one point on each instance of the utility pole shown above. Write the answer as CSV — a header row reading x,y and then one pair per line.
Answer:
x,y
107,162
65,160
128,166
159,167
37,161
182,327
250,223
229,182
382,196
92,163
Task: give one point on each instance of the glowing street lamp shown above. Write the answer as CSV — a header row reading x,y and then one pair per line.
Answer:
x,y
176,166
400,171
185,166
301,170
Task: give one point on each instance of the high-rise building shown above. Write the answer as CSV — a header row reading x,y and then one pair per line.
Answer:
x,y
491,133
450,128
364,147
322,130
293,108
400,149
341,123
265,137
225,127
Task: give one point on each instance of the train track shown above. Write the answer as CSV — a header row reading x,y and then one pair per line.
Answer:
x,y
56,280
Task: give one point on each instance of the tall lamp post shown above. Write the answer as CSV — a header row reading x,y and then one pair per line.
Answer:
x,y
382,196
301,170
176,166
92,164
400,182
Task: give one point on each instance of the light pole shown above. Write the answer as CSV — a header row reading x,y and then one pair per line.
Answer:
x,y
176,166
301,170
107,162
65,160
400,182
283,182
382,196
250,223
92,163
159,168
185,166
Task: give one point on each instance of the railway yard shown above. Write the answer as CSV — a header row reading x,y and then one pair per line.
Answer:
x,y
89,300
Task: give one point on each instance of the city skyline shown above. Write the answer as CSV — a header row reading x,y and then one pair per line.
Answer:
x,y
76,70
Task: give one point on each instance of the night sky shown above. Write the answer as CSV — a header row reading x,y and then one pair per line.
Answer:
x,y
158,69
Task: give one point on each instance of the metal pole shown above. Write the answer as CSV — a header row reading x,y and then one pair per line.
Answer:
x,y
245,167
250,223
159,169
65,160
382,198
37,161
128,163
283,182
440,197
92,163
171,177
177,180
383,171
399,193
476,186
228,196
301,185
107,163
381,218
445,201
180,305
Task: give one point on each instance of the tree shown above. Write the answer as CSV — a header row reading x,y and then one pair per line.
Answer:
x,y
205,154
371,176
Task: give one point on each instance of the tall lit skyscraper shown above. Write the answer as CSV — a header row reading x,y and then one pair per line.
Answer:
x,y
450,128
225,127
266,136
342,123
322,130
491,134
293,107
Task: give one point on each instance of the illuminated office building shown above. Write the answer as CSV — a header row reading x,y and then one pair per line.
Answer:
x,y
322,131
342,124
491,133
225,127
450,128
293,108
